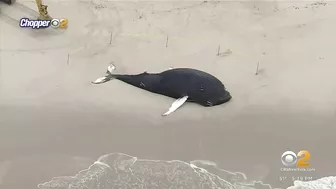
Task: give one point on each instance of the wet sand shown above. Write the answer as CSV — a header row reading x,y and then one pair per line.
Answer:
x,y
43,142
53,122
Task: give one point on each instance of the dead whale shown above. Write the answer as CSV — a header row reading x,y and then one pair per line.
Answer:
x,y
183,84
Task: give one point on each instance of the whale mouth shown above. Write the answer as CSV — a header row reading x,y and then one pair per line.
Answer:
x,y
224,99
228,98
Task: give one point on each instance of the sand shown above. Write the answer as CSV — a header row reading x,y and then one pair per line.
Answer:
x,y
54,122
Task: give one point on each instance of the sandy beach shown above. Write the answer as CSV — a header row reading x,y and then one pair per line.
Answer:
x,y
54,122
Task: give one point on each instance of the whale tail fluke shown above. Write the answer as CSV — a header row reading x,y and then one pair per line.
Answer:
x,y
110,69
109,76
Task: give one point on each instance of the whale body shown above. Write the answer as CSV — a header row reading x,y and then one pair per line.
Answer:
x,y
183,84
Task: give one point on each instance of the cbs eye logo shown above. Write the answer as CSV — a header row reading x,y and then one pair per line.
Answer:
x,y
59,23
290,159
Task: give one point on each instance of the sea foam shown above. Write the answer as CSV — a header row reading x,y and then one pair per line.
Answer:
x,y
118,170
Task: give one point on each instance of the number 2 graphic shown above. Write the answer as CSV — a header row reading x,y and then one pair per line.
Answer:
x,y
303,162
64,23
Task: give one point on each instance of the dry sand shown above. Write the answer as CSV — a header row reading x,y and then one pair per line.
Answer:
x,y
54,122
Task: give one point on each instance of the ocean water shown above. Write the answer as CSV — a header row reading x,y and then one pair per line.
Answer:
x,y
118,170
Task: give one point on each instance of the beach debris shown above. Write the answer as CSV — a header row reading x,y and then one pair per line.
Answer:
x,y
222,54
257,71
111,37
167,41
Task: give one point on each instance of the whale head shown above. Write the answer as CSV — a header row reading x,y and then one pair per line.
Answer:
x,y
224,97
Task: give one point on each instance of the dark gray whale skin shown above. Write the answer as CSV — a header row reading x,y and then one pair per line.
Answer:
x,y
200,87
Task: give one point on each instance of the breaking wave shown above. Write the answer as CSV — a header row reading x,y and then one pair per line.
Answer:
x,y
119,170
323,183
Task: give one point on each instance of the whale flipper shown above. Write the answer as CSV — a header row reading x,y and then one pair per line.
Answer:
x,y
176,104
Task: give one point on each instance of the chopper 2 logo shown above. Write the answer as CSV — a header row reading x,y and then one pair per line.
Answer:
x,y
290,159
38,24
